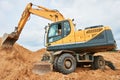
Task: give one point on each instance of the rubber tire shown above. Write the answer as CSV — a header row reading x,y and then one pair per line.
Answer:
x,y
61,60
96,64
55,66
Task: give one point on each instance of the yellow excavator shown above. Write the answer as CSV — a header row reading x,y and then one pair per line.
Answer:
x,y
66,47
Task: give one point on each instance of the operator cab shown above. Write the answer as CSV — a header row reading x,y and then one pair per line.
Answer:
x,y
57,31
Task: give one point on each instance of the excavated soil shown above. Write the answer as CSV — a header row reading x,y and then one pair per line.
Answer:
x,y
17,63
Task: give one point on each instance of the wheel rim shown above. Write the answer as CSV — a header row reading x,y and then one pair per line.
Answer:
x,y
67,63
101,63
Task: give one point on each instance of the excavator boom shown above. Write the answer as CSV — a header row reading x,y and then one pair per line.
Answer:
x,y
8,40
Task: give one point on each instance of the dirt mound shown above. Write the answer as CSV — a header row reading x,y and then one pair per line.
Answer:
x,y
16,64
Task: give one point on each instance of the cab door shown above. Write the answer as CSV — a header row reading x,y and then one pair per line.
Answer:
x,y
55,34
68,33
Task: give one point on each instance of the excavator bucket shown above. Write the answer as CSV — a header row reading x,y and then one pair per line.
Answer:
x,y
42,68
8,40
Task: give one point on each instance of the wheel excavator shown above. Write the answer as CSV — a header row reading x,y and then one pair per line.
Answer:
x,y
66,47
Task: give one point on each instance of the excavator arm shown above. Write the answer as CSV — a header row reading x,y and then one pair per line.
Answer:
x,y
8,40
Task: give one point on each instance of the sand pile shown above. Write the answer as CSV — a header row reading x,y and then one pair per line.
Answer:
x,y
16,64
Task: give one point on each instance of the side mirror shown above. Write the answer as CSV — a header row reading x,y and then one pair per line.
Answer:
x,y
46,28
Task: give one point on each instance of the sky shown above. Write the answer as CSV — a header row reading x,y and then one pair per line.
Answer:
x,y
85,13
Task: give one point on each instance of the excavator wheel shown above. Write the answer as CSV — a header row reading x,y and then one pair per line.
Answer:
x,y
55,66
66,63
99,63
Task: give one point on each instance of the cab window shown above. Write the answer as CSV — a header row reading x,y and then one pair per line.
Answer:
x,y
66,28
55,32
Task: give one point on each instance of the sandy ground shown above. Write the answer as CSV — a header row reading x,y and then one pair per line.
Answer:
x,y
17,63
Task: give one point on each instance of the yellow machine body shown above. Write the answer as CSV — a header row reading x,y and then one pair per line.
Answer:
x,y
99,38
